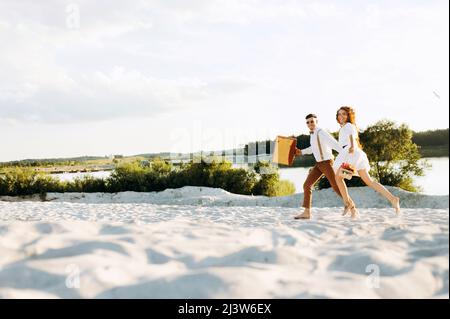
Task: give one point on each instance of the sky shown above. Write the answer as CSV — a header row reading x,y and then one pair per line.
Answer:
x,y
128,77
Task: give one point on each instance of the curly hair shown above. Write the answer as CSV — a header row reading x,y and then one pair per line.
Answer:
x,y
351,118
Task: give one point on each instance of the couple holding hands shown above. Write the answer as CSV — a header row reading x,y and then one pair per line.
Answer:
x,y
351,160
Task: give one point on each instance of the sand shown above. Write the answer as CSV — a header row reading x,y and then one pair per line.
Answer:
x,y
198,242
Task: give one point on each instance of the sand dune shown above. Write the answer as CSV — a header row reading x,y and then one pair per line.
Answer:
x,y
147,247
364,197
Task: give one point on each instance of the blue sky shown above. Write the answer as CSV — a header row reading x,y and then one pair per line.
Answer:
x,y
127,77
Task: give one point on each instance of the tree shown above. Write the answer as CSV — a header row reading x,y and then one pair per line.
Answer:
x,y
394,158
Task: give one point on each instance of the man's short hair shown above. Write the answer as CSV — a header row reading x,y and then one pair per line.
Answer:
x,y
310,115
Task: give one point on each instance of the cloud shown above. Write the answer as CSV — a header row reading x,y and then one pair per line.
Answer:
x,y
144,58
43,80
120,93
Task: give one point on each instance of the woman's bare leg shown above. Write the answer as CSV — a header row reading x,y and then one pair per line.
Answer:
x,y
348,202
394,200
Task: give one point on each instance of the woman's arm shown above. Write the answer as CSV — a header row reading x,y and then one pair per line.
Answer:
x,y
351,131
352,146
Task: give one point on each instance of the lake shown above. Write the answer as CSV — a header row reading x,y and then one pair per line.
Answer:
x,y
72,176
435,181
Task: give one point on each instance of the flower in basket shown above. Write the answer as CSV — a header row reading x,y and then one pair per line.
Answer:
x,y
347,171
348,167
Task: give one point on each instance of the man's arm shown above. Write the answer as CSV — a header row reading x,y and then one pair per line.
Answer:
x,y
307,150
330,140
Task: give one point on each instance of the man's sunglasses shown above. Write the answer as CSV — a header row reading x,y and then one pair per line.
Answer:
x,y
309,122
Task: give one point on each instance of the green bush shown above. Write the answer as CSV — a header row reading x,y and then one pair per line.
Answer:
x,y
128,177
269,182
3,185
85,184
240,181
268,179
26,181
284,188
160,175
214,173
157,175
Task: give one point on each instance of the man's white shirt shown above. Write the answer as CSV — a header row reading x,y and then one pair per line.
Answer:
x,y
327,143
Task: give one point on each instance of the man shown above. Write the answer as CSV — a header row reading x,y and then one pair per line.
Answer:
x,y
321,147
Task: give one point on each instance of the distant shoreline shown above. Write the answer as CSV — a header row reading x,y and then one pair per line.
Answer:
x,y
60,166
434,151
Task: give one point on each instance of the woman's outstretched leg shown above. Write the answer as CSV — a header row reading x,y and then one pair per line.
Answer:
x,y
394,200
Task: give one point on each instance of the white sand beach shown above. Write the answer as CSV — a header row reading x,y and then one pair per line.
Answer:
x,y
198,242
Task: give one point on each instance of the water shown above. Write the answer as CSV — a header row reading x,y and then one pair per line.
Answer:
x,y
72,176
435,181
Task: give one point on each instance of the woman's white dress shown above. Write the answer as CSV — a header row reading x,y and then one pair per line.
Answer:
x,y
358,158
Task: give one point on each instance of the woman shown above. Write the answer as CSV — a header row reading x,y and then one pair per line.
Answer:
x,y
355,156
